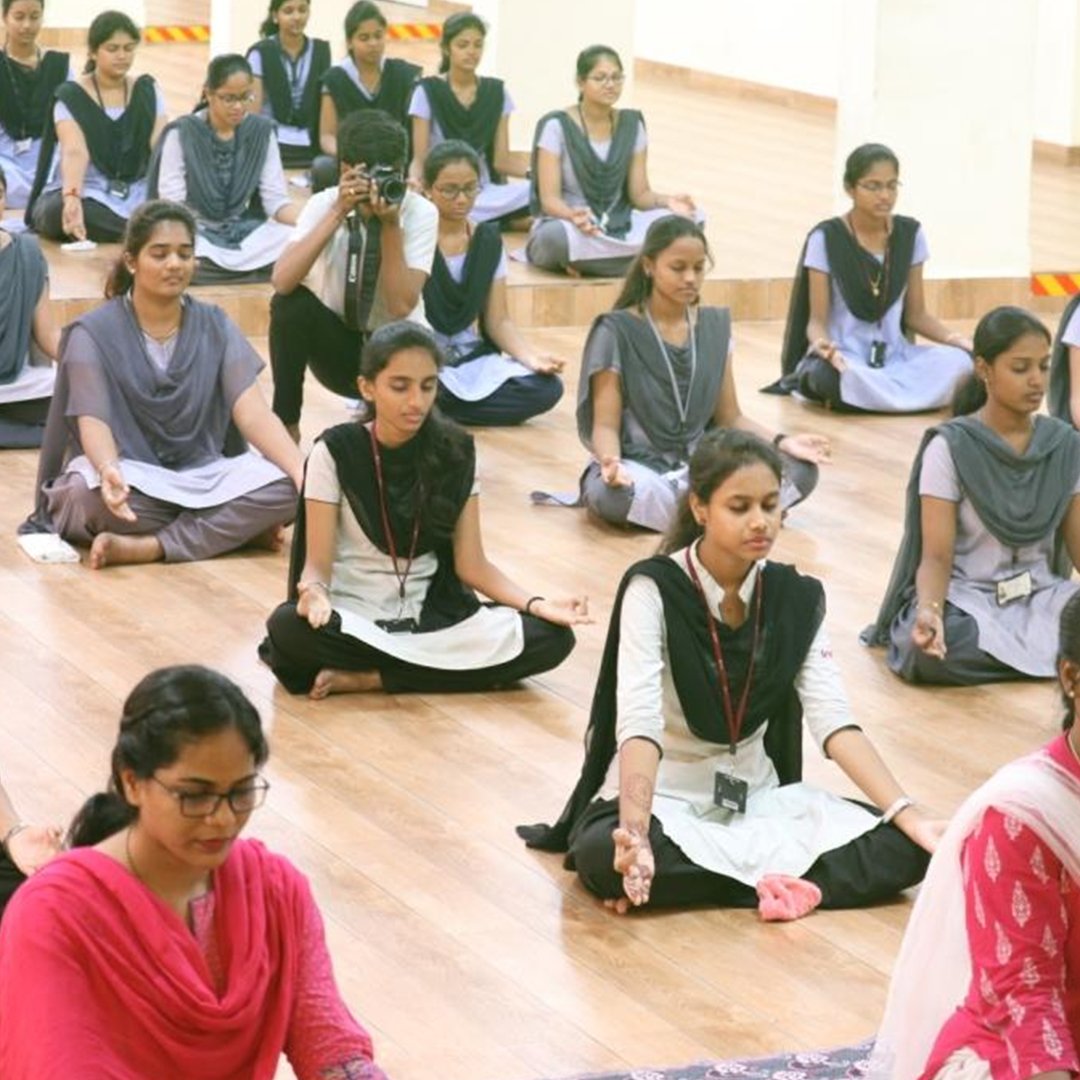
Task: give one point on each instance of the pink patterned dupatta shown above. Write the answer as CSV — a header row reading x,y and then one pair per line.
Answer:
x,y
933,970
98,977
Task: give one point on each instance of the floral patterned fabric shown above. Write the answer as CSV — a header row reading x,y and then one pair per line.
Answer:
x,y
846,1063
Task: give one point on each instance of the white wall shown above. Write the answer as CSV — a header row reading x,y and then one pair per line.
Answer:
x,y
790,43
77,14
1055,71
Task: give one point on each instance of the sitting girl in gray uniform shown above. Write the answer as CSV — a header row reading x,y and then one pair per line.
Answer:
x,y
992,529
655,375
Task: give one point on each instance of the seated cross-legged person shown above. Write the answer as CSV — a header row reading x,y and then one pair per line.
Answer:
x,y
992,524
224,165
358,258
91,172
145,454
388,550
493,375
28,335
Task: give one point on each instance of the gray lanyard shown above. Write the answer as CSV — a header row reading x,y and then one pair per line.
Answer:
x,y
682,406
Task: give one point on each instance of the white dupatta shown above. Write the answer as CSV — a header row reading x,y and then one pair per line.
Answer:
x,y
933,971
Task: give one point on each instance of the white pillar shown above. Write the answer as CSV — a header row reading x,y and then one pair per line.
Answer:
x,y
533,48
949,87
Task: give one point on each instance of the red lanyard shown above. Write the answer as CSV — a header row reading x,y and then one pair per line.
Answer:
x,y
734,718
387,533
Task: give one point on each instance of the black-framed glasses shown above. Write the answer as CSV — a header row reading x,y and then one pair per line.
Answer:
x,y
236,99
198,804
455,191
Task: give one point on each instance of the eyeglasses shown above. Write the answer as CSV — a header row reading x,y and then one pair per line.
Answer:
x,y
202,804
608,80
454,191
235,99
876,187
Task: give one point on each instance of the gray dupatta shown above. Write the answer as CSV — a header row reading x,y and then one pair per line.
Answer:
x,y
22,279
222,175
648,394
178,418
1020,498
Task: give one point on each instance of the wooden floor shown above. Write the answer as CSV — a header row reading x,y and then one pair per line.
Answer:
x,y
469,957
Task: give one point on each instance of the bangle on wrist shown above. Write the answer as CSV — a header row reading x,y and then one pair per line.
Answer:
x,y
107,464
895,808
317,585
778,438
10,835
529,603
933,605
72,193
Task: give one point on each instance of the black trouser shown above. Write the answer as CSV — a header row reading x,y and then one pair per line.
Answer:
x,y
872,867
11,877
517,400
296,653
102,225
820,381
305,333
22,423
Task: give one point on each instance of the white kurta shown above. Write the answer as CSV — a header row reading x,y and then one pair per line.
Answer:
x,y
364,588
785,829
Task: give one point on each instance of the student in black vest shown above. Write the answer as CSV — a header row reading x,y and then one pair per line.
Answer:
x,y
493,375
715,658
288,67
459,104
318,317
365,79
105,125
28,80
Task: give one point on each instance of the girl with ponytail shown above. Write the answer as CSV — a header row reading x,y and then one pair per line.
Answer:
x,y
715,659
387,551
163,940
992,528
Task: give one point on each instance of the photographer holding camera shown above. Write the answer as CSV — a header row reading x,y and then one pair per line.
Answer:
x,y
359,257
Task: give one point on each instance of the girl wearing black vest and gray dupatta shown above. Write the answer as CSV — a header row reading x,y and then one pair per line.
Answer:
x,y
105,126
146,446
459,104
493,375
365,79
29,338
992,527
28,79
387,551
591,199
224,164
715,658
288,67
655,374
858,300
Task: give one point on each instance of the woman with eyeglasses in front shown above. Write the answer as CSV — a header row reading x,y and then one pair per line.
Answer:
x,y
858,302
223,162
162,943
591,200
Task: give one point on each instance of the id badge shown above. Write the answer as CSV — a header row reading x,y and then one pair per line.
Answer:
x,y
877,354
398,626
119,189
23,146
1014,588
730,792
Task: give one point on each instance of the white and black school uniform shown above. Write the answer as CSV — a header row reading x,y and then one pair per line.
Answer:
x,y
399,607
479,384
292,90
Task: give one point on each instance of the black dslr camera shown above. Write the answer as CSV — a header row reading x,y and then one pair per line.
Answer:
x,y
387,183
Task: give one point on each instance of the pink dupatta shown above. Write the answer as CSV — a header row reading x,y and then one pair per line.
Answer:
x,y
98,977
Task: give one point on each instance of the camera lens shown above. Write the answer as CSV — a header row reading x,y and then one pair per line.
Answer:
x,y
392,189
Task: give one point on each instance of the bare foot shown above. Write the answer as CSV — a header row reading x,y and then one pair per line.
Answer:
x,y
109,549
273,539
332,681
